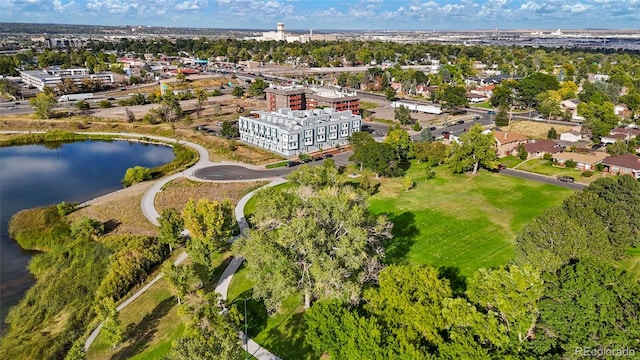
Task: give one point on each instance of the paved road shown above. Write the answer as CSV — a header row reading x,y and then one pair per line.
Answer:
x,y
541,178
226,172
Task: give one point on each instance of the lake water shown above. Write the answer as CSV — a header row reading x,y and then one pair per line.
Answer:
x,y
36,175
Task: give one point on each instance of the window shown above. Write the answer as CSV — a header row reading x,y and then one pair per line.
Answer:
x,y
333,135
320,138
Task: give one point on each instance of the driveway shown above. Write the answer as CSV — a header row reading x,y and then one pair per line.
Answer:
x,y
542,178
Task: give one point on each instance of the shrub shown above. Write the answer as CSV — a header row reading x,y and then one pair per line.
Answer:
x,y
547,156
65,208
136,174
587,173
416,126
600,167
570,164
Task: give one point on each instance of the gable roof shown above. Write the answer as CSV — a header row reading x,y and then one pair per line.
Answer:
x,y
589,158
546,146
505,137
628,161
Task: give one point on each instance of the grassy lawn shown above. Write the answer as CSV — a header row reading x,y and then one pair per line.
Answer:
x,y
283,333
510,161
544,167
461,221
250,207
366,105
482,105
151,323
632,263
276,165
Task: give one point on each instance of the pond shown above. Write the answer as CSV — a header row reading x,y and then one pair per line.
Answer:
x,y
38,175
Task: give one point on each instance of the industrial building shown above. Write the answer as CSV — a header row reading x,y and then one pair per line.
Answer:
x,y
293,132
305,98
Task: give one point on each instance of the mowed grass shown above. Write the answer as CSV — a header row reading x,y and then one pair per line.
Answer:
x,y
461,221
283,333
632,262
149,324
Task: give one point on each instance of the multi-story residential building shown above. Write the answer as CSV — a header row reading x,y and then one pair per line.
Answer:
x,y
53,76
293,132
303,98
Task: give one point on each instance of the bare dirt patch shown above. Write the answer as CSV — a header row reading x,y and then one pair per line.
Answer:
x,y
176,193
537,129
120,211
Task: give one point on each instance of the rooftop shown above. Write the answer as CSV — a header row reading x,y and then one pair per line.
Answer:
x,y
286,118
627,161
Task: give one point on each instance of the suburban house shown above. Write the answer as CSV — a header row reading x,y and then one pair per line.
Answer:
x,y
583,162
627,164
622,110
571,136
537,148
475,98
613,138
425,90
571,106
507,142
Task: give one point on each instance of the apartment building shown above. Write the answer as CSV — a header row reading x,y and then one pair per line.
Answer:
x,y
303,98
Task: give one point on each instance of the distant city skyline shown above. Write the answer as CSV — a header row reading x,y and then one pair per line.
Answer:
x,y
332,14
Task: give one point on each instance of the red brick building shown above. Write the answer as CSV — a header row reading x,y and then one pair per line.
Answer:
x,y
303,98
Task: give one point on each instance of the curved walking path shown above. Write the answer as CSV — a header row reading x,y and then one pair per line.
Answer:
x,y
149,210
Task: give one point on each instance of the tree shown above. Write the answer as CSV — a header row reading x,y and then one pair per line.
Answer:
x,y
130,116
390,93
171,227
257,87
510,296
43,104
217,109
453,97
416,126
111,326
588,305
178,278
201,96
228,130
552,133
87,228
238,92
618,148
82,105
136,174
401,144
502,117
361,142
210,332
323,243
548,103
534,84
522,153
408,302
474,149
426,135
408,183
402,115
210,224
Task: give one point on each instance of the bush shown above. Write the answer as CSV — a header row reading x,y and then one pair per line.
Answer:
x,y
600,167
547,156
416,126
136,174
587,173
65,208
570,164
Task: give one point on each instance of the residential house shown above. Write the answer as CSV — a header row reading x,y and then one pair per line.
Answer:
x,y
622,111
507,142
627,164
476,98
613,138
584,162
537,148
571,136
571,106
425,90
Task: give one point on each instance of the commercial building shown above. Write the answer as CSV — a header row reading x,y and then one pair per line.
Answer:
x,y
304,98
293,132
53,76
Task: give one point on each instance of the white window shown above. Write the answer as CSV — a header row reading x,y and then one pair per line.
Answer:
x,y
333,135
320,138
321,130
333,128
308,141
344,133
344,125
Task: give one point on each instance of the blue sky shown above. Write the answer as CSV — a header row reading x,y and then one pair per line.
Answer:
x,y
332,14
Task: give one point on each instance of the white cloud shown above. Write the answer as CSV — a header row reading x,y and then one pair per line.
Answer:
x,y
59,6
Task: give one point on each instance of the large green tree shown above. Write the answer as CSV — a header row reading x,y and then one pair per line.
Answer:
x,y
402,115
453,97
323,243
474,149
171,227
534,84
210,225
43,104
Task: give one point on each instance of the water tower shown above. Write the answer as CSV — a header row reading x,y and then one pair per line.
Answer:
x,y
280,31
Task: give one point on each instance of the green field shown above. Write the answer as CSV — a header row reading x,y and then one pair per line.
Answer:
x,y
461,221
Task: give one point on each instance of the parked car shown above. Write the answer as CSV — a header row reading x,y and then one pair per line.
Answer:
x,y
502,166
307,160
327,155
432,128
491,112
568,179
292,163
317,158
459,122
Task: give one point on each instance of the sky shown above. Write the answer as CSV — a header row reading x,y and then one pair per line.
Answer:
x,y
332,14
